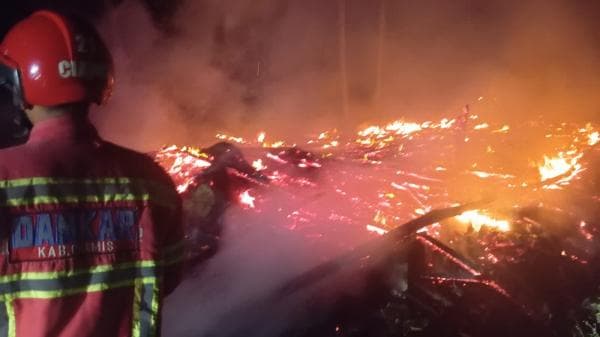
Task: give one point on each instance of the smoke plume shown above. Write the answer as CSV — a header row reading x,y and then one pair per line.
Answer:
x,y
244,66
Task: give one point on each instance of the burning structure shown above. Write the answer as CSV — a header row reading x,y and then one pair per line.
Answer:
x,y
521,261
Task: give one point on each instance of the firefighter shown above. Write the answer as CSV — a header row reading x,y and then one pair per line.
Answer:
x,y
91,232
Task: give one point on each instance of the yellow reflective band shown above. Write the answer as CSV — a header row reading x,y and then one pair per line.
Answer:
x,y
63,181
33,181
47,200
62,274
145,310
155,308
137,301
48,294
146,324
12,321
142,190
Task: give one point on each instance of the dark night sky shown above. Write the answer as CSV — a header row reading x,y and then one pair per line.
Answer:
x,y
12,11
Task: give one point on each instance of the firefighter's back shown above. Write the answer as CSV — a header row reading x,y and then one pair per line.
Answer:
x,y
88,230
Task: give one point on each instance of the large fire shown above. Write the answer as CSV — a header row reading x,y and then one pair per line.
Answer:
x,y
388,174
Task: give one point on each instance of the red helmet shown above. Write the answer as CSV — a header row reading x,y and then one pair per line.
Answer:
x,y
50,60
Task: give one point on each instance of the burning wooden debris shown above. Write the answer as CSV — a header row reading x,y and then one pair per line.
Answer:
x,y
393,174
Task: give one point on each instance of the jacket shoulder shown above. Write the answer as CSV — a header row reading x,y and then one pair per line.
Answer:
x,y
12,158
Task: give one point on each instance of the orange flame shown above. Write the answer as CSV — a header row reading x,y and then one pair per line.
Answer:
x,y
477,220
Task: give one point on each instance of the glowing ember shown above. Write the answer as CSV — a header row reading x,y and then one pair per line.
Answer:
x,y
225,137
258,165
446,124
484,175
560,165
333,143
554,167
503,129
481,126
593,138
261,137
246,199
376,230
477,220
183,164
402,128
380,136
